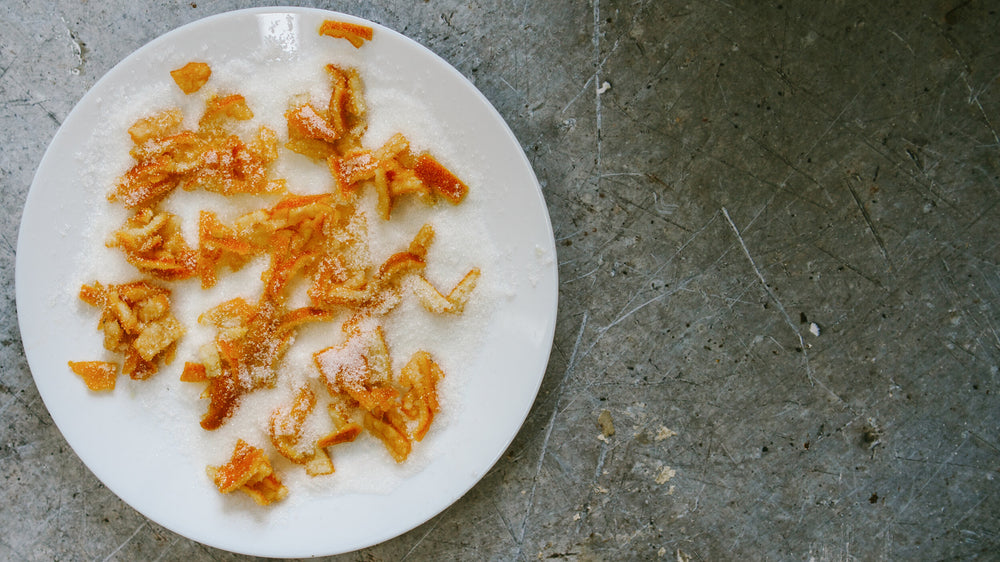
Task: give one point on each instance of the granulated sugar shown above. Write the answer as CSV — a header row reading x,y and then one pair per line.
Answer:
x,y
461,243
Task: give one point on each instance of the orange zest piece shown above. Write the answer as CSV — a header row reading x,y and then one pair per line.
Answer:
x,y
356,34
249,471
285,427
137,323
192,76
154,245
313,246
440,179
97,375
392,437
349,432
220,108
307,122
194,372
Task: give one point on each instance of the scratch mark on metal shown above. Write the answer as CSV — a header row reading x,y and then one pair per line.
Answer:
x,y
974,100
596,40
973,96
128,540
919,491
600,461
586,86
971,509
420,540
903,41
577,278
871,226
848,265
622,317
506,523
166,550
548,434
781,308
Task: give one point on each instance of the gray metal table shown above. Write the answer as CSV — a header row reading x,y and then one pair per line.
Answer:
x,y
777,228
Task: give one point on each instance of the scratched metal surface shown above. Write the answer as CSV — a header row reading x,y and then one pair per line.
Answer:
x,y
777,227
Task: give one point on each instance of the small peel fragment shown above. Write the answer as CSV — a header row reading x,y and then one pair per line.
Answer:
x,y
249,471
356,34
192,76
99,376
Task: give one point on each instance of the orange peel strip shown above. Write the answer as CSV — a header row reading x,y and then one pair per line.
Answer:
x,y
194,372
441,180
356,34
99,376
192,76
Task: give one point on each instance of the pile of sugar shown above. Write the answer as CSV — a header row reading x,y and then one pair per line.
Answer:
x,y
461,243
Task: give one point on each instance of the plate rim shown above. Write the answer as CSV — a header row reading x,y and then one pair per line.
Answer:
x,y
33,196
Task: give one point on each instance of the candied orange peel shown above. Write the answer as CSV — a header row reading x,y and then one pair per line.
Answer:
x,y
209,158
192,76
356,34
319,271
398,410
97,375
137,324
249,471
152,242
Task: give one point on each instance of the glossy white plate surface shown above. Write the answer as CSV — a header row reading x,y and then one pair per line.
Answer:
x,y
145,456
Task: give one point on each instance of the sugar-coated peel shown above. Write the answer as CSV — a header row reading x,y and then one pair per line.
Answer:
x,y
356,34
192,76
137,324
316,242
249,471
97,375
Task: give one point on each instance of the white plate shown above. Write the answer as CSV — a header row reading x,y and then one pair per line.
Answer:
x,y
137,455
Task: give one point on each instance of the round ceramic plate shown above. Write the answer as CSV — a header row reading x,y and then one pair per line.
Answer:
x,y
138,456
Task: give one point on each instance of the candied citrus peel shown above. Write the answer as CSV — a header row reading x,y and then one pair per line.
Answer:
x,y
153,243
208,158
396,410
318,270
249,471
97,375
137,323
356,34
192,76
394,171
194,372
